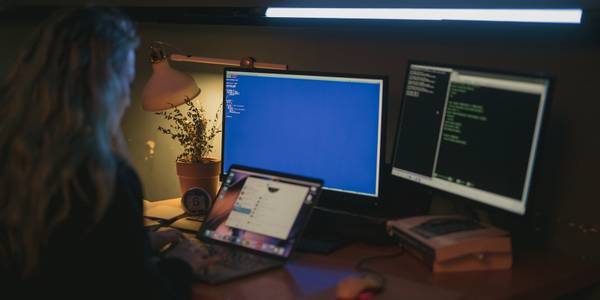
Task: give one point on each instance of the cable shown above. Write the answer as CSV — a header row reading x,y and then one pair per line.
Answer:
x,y
360,264
361,268
164,223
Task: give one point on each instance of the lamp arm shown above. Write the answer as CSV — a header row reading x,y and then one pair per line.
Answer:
x,y
223,62
158,54
204,60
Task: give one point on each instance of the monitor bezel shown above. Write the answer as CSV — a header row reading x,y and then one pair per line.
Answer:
x,y
350,202
536,157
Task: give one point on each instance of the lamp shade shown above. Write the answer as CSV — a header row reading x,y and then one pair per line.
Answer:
x,y
167,88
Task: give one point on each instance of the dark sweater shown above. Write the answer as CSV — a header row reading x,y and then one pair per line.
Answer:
x,y
113,260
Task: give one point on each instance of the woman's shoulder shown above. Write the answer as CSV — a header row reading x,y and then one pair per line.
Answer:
x,y
127,179
124,167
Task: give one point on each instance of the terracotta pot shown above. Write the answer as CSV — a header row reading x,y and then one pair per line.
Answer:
x,y
203,174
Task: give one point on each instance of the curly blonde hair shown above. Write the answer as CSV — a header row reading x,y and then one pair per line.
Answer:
x,y
58,104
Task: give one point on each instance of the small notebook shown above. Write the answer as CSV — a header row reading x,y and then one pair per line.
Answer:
x,y
163,212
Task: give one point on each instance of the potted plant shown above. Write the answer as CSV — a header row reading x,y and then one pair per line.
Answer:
x,y
194,132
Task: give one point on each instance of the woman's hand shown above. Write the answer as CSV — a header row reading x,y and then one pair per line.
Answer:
x,y
193,254
159,239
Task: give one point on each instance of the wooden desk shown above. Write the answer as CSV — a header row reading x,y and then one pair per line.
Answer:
x,y
312,276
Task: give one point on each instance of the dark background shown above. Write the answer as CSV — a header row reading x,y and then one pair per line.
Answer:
x,y
566,197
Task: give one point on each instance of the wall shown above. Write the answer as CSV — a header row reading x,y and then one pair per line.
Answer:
x,y
566,197
315,3
154,153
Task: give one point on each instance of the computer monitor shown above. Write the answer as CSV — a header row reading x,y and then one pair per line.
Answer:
x,y
320,125
470,132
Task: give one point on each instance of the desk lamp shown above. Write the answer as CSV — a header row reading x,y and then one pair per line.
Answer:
x,y
168,87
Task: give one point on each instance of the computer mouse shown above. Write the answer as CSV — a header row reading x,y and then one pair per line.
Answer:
x,y
360,287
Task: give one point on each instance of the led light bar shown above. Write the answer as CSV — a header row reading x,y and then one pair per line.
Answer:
x,y
568,16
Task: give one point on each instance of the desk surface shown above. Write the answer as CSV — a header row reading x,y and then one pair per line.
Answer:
x,y
310,276
313,276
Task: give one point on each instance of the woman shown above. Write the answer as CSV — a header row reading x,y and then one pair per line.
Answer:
x,y
70,205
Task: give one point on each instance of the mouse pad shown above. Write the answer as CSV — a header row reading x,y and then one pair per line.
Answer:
x,y
398,288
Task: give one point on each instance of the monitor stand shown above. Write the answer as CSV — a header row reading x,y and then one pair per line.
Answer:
x,y
329,230
320,244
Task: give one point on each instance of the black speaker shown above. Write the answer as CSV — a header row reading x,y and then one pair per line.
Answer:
x,y
196,202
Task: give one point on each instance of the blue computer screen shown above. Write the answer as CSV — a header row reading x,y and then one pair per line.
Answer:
x,y
317,126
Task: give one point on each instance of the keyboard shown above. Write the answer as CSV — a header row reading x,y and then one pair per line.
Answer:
x,y
235,258
234,263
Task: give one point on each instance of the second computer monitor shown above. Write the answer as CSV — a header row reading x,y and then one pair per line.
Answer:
x,y
470,132
318,125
